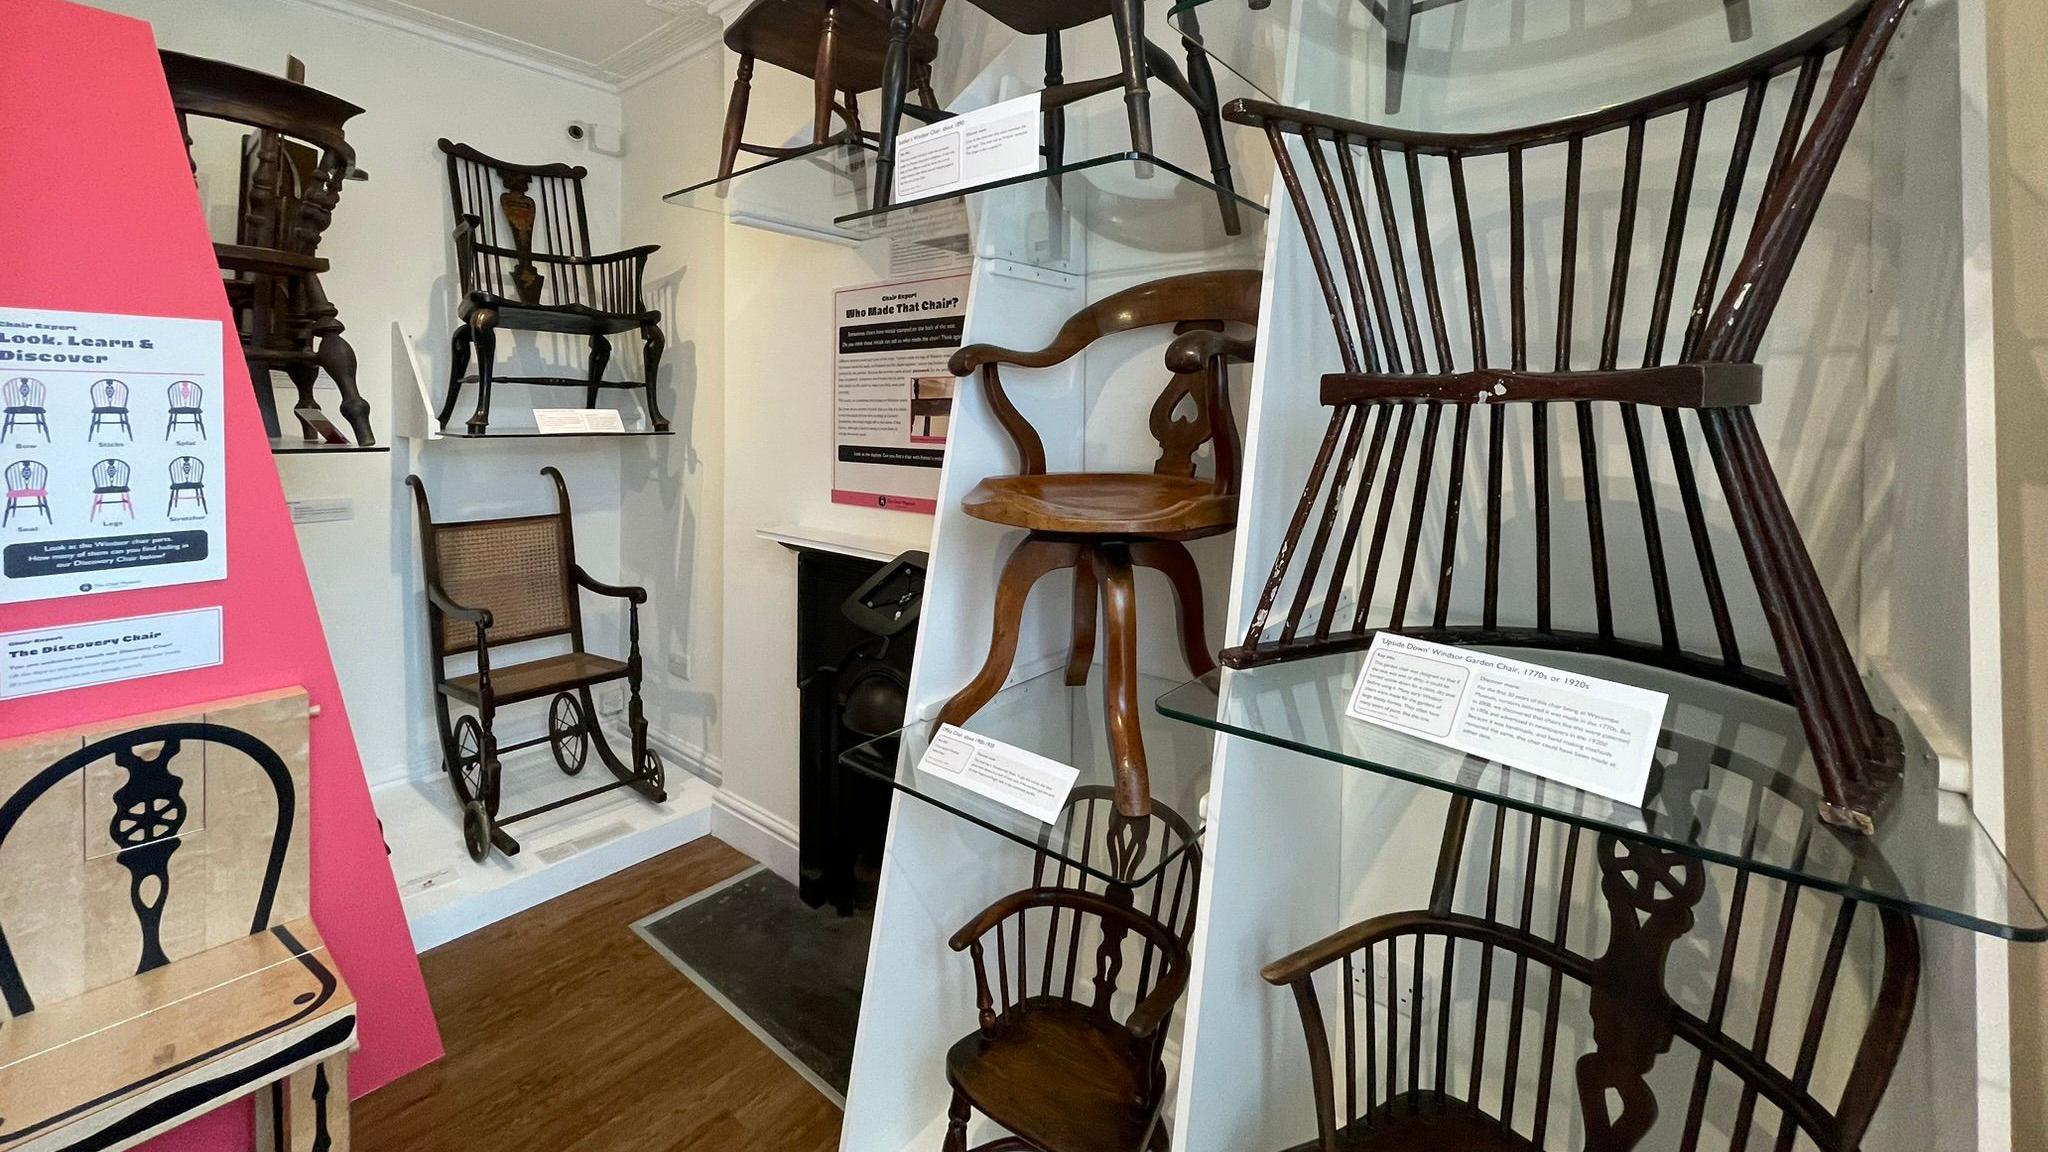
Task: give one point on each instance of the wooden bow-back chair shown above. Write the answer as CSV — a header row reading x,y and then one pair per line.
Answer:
x,y
508,580
188,482
28,483
844,48
157,955
1419,364
1052,1060
186,402
1142,61
23,401
522,248
292,168
1102,523
110,486
110,407
1711,1008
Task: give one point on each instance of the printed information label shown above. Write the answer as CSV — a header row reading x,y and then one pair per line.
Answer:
x,y
1592,734
578,421
105,651
971,149
1030,783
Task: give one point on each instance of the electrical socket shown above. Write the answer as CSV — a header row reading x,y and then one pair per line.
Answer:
x,y
679,665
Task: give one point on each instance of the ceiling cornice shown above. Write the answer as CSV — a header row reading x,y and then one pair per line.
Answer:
x,y
646,56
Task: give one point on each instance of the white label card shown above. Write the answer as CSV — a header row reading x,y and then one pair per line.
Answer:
x,y
577,421
1030,783
974,148
1594,735
105,651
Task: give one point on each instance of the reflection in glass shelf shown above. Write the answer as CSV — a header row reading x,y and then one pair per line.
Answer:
x,y
294,446
1103,213
1734,784
799,194
1046,716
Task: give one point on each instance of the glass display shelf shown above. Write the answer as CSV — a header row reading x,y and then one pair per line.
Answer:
x,y
535,434
800,194
1734,784
1118,211
293,446
1046,716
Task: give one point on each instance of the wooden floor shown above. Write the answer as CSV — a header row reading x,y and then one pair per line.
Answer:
x,y
566,1032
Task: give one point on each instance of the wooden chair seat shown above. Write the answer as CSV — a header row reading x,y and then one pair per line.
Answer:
x,y
537,678
96,1070
572,319
785,33
1105,504
1060,1076
1424,1122
1043,17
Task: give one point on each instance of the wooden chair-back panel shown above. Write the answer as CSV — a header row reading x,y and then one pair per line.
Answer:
x,y
1606,994
126,846
1426,253
517,568
521,215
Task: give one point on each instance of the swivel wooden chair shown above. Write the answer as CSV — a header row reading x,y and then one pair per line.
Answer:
x,y
491,583
527,264
1376,258
1100,523
1050,1062
843,47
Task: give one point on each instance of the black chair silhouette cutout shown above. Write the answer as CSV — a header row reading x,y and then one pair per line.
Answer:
x,y
110,406
110,486
24,396
28,482
187,408
188,482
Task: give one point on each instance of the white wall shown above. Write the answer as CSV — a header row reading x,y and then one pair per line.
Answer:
x,y
393,262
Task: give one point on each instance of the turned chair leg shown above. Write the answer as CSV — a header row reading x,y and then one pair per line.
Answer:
x,y
821,76
956,1124
1740,25
654,342
895,84
457,365
338,359
1033,558
306,1111
600,358
1400,23
736,116
1081,657
1120,703
483,324
266,401
1202,90
303,377
1172,559
1129,18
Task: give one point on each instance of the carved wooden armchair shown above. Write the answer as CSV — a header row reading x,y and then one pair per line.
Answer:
x,y
1051,1061
1418,364
165,963
526,264
503,581
1756,987
1102,523
290,181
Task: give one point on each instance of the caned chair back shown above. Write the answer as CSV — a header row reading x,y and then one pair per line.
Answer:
x,y
125,852
110,474
26,476
110,395
24,392
1434,339
185,395
519,568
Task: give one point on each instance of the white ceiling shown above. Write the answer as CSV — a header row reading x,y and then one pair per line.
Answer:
x,y
607,40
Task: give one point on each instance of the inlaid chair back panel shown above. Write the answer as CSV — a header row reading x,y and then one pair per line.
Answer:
x,y
1462,272
1774,1019
525,214
109,394
517,568
126,846
27,476
23,392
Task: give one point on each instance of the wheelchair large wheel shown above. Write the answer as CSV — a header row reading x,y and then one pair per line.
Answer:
x,y
467,773
476,830
568,737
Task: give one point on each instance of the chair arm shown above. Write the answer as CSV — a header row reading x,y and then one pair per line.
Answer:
x,y
481,617
640,253
630,592
965,360
1192,351
1030,898
1298,966
1149,1015
468,225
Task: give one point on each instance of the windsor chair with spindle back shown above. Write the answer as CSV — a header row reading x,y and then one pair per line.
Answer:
x,y
1051,1061
110,486
25,399
186,403
522,247
1413,355
109,408
28,484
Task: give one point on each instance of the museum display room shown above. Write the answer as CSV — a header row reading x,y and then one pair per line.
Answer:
x,y
1040,575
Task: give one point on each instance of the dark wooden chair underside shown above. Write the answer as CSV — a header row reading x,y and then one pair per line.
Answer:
x,y
1423,1121
572,319
1105,504
785,33
1040,17
1061,1076
537,678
